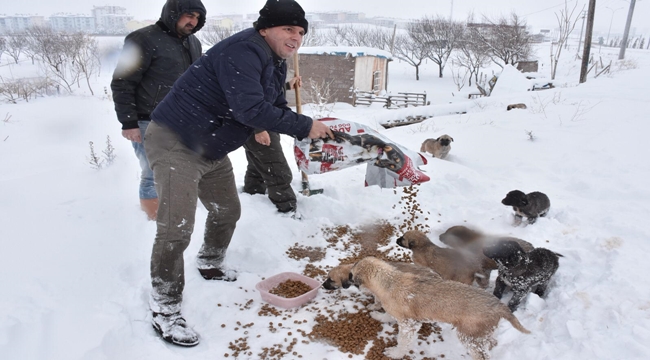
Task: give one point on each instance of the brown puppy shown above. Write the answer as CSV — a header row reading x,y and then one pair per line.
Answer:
x,y
463,238
437,147
451,264
413,299
516,106
339,277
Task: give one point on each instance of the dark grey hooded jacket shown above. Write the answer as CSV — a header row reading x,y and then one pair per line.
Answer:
x,y
152,59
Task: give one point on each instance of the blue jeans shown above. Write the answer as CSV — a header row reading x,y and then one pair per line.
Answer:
x,y
147,188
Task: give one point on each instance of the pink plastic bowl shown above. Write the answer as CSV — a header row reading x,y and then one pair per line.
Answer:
x,y
268,284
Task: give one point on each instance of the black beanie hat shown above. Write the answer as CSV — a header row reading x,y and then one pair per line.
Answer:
x,y
281,12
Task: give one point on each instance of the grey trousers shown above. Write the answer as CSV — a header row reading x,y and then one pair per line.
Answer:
x,y
182,176
268,170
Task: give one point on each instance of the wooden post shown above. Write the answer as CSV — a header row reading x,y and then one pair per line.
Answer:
x,y
305,179
626,33
590,27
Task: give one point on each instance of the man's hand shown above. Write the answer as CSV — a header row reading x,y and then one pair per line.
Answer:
x,y
295,82
320,131
132,134
263,138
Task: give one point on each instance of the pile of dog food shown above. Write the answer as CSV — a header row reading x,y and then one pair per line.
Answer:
x,y
290,289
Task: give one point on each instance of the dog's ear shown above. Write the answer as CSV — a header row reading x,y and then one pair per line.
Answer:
x,y
346,283
524,202
354,281
452,139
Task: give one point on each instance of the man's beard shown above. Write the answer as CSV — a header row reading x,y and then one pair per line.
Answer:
x,y
186,30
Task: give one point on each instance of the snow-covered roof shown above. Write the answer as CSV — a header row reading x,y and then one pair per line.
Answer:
x,y
345,51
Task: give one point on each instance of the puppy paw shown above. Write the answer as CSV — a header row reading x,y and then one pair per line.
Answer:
x,y
374,307
381,317
395,352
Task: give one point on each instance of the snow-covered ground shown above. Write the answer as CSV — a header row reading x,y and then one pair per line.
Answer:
x,y
75,247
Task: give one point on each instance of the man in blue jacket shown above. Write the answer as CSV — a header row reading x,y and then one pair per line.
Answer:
x,y
152,59
212,110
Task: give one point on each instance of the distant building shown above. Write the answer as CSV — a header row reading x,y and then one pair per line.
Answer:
x,y
19,23
73,23
110,19
226,21
343,70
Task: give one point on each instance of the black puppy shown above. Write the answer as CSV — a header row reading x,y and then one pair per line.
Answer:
x,y
520,270
527,205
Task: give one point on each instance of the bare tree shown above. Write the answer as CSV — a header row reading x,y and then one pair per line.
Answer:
x,y
413,47
507,38
15,45
314,37
212,34
85,56
321,97
3,45
566,21
473,54
441,36
56,52
350,36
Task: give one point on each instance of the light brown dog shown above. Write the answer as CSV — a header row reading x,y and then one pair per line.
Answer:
x,y
462,237
339,277
437,147
451,264
413,299
516,106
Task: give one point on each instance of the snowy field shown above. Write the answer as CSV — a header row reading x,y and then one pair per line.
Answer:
x,y
74,264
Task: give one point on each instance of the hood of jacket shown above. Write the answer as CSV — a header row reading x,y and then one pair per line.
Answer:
x,y
173,10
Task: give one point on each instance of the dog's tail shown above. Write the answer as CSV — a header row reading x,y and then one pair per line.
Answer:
x,y
515,323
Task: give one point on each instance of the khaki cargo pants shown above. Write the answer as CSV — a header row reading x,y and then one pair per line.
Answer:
x,y
182,176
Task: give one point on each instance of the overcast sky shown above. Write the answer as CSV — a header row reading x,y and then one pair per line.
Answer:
x,y
538,14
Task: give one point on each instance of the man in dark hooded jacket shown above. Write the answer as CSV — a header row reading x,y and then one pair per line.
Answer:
x,y
212,109
152,59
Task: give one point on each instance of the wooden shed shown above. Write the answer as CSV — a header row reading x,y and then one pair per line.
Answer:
x,y
342,69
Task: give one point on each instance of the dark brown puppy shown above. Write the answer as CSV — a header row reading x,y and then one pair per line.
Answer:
x,y
451,264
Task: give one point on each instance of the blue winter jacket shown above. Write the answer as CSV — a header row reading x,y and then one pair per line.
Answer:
x,y
236,87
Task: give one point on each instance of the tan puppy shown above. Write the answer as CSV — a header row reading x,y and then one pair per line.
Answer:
x,y
437,147
339,277
451,264
516,106
413,299
462,237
